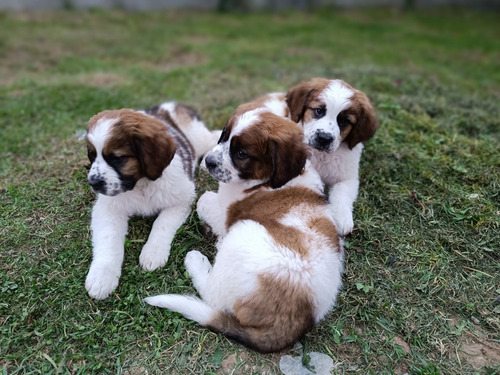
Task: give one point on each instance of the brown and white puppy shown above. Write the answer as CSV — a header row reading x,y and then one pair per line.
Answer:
x,y
336,120
279,262
142,164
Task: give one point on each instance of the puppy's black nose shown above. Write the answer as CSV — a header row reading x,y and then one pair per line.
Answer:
x,y
323,139
96,182
210,162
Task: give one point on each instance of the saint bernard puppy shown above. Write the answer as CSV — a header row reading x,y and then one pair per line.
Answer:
x,y
142,164
336,119
278,268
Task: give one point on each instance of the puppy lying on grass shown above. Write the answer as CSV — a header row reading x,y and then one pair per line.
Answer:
x,y
143,163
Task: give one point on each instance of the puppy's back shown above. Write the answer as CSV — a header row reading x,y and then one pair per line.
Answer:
x,y
187,126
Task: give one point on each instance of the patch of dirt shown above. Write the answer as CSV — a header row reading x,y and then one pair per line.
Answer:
x,y
398,340
228,365
480,353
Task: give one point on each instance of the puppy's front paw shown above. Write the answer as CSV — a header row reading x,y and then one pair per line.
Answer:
x,y
196,263
343,221
206,204
153,257
101,281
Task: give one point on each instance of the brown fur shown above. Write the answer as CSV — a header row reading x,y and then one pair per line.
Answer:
x,y
299,96
185,114
303,97
326,228
144,140
267,207
275,148
366,121
271,319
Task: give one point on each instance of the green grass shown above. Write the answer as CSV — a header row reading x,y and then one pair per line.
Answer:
x,y
422,277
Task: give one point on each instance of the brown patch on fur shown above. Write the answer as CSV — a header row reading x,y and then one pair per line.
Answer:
x,y
326,228
268,207
366,120
308,114
275,148
345,132
185,114
259,102
299,96
141,139
271,319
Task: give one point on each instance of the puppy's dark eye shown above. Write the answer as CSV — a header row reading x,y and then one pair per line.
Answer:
x,y
343,121
115,160
91,154
240,154
319,112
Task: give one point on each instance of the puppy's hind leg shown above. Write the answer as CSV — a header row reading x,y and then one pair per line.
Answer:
x,y
199,269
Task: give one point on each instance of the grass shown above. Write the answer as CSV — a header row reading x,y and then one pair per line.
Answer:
x,y
422,278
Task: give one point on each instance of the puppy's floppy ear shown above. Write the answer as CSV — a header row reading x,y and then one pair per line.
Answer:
x,y
297,98
153,147
288,153
366,120
154,153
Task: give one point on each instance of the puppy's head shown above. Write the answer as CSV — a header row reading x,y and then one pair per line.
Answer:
x,y
258,147
331,112
125,146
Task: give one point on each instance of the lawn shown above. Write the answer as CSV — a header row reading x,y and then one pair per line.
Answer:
x,y
422,270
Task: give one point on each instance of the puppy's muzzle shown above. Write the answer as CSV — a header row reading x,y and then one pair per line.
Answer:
x,y
211,162
97,184
322,140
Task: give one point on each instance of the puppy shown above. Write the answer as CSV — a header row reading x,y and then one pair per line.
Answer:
x,y
142,164
336,119
278,267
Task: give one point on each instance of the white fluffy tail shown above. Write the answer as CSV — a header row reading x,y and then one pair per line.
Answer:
x,y
190,306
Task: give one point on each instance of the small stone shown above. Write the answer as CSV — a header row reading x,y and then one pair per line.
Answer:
x,y
391,260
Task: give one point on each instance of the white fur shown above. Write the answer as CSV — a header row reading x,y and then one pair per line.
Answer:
x,y
170,197
338,166
336,98
276,105
99,166
339,170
